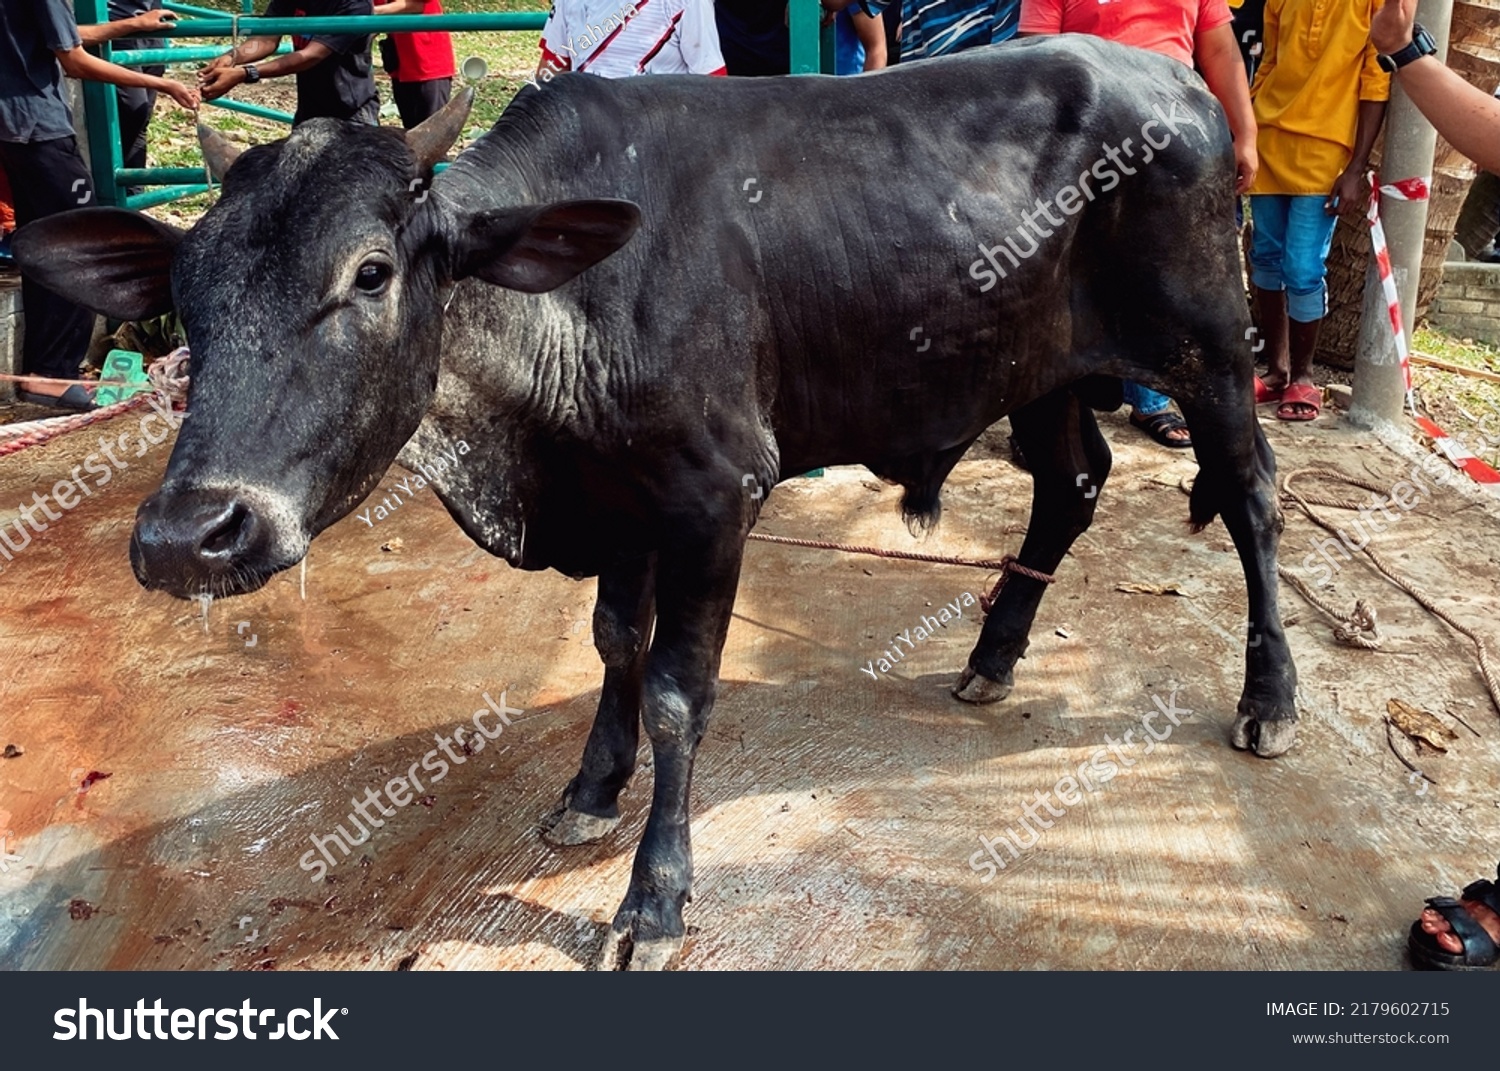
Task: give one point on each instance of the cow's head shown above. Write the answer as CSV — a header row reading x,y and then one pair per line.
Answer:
x,y
312,294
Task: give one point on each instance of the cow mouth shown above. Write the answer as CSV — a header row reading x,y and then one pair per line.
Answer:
x,y
211,541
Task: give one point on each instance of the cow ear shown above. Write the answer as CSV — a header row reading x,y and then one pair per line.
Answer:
x,y
537,249
106,259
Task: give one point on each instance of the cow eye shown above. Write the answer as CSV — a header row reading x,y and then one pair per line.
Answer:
x,y
372,277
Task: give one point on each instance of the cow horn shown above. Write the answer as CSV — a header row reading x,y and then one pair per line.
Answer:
x,y
430,140
219,153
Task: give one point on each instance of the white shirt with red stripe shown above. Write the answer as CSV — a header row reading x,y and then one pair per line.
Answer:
x,y
621,38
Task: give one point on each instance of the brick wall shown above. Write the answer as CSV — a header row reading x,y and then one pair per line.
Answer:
x,y
1468,303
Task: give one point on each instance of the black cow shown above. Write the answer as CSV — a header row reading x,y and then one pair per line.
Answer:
x,y
788,273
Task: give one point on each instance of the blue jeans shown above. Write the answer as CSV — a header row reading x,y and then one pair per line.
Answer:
x,y
1289,251
1143,400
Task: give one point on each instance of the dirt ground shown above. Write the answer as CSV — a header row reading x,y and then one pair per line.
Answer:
x,y
175,768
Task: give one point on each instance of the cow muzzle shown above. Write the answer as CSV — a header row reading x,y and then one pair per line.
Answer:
x,y
218,541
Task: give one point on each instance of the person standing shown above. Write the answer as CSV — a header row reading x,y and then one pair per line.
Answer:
x,y
623,38
1320,99
1192,32
40,42
136,103
420,64
1249,22
859,42
941,27
334,77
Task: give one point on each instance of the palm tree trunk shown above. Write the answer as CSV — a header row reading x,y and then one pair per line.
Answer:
x,y
1474,52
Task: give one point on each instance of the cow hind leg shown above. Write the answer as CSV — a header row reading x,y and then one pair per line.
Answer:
x,y
1069,462
623,615
1237,481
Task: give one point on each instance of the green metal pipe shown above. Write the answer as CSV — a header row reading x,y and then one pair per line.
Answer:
x,y
189,9
173,176
158,176
255,26
163,196
151,57
250,109
812,44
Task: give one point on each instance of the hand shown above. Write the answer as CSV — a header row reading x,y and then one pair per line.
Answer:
x,y
1246,164
153,20
183,95
1348,194
1391,28
215,64
214,84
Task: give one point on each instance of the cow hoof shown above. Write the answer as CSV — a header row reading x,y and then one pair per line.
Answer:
x,y
623,953
974,688
570,828
1266,738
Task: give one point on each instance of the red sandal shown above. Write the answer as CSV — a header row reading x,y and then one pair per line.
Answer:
x,y
1303,394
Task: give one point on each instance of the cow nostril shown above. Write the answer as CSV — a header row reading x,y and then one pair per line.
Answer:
x,y
222,538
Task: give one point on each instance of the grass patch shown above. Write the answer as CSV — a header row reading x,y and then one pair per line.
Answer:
x,y
510,55
1454,400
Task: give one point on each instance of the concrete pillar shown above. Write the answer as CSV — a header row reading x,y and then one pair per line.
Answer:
x,y
1410,142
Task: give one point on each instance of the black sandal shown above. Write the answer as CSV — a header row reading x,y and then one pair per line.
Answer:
x,y
1480,952
1157,425
75,398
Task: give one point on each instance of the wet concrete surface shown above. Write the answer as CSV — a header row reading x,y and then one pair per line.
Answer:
x,y
834,816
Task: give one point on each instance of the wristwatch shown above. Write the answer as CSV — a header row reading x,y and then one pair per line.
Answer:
x,y
252,75
1421,45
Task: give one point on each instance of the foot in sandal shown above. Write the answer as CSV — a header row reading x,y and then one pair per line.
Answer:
x,y
1166,427
1299,402
1459,935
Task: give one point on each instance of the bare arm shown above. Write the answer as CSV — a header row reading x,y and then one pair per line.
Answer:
x,y
249,51
1349,187
77,63
110,31
1467,117
218,81
871,34
400,7
1218,56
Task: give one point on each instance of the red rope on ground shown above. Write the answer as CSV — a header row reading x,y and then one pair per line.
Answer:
x,y
1005,565
168,376
36,435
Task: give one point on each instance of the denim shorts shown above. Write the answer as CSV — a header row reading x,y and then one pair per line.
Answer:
x,y
1289,250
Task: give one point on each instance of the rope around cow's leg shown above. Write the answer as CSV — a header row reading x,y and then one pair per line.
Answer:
x,y
1006,565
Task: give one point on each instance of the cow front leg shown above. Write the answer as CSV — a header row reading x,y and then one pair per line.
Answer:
x,y
1069,462
1237,480
623,615
695,596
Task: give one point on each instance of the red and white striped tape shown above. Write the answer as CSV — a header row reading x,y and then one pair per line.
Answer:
x,y
1455,452
1412,189
1416,189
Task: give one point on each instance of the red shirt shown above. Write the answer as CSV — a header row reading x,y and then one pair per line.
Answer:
x,y
1166,26
422,57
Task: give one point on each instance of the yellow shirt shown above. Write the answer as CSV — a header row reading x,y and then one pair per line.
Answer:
x,y
1318,65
